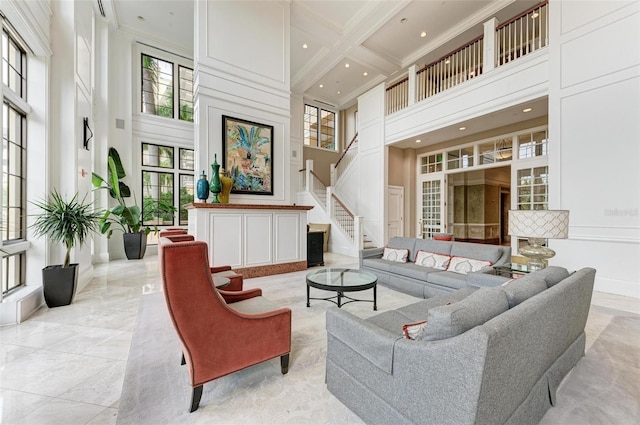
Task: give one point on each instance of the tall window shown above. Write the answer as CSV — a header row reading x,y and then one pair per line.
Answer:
x,y
157,88
14,124
319,127
160,172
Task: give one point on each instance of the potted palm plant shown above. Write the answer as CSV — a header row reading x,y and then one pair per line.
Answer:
x,y
126,218
66,222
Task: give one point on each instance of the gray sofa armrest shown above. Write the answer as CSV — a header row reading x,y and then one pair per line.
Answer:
x,y
485,278
370,341
370,253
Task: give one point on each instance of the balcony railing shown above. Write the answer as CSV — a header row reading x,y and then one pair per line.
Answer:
x,y
523,34
519,36
397,96
451,70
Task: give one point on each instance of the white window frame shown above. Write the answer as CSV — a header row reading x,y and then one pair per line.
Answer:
x,y
336,129
177,61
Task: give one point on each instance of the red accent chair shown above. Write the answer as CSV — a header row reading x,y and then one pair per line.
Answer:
x,y
235,279
219,335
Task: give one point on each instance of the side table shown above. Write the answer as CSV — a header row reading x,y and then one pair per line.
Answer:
x,y
315,254
511,270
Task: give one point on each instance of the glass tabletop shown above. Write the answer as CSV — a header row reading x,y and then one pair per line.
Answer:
x,y
345,279
515,267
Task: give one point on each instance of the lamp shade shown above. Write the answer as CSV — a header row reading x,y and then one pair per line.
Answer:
x,y
545,224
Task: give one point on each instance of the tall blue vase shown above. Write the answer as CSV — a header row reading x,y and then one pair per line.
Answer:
x,y
202,187
215,186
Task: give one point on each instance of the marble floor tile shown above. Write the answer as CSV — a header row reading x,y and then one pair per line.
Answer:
x,y
17,404
66,365
102,388
57,411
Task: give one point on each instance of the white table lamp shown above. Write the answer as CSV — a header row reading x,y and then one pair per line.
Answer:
x,y
536,226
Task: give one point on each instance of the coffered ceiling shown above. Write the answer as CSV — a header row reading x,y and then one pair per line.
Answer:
x,y
351,46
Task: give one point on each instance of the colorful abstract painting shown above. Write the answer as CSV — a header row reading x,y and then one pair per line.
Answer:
x,y
248,155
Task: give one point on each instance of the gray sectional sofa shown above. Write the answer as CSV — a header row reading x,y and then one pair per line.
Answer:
x,y
494,356
425,282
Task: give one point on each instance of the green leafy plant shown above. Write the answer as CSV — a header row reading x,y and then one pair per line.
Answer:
x,y
65,222
127,218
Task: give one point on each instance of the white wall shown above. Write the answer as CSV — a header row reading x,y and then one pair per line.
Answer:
x,y
372,164
241,78
594,110
72,42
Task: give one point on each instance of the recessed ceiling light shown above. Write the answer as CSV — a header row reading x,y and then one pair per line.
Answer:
x,y
140,18
346,65
448,61
534,15
403,20
321,85
462,128
423,34
338,92
472,73
527,110
304,46
418,140
365,73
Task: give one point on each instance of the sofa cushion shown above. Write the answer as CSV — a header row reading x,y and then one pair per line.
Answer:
x,y
552,275
420,310
522,289
449,279
430,245
476,251
392,321
411,270
395,254
464,265
403,243
450,320
432,259
378,264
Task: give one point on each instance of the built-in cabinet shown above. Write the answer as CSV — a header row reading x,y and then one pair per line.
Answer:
x,y
255,239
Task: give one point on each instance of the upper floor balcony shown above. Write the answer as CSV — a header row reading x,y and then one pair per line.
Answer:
x,y
509,60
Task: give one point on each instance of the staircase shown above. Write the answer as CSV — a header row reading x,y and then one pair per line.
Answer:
x,y
347,232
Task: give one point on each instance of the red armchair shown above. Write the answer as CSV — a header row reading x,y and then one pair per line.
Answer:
x,y
218,336
235,279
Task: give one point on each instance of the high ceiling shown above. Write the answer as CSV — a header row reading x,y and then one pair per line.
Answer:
x,y
379,40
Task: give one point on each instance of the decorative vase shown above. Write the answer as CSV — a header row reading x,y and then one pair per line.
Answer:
x,y
227,184
215,186
202,187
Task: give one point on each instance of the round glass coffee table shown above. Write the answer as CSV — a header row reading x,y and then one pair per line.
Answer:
x,y
341,281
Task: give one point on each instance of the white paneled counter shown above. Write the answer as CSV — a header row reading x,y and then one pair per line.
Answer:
x,y
254,239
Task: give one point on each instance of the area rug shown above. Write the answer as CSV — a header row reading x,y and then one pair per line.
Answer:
x,y
156,387
603,388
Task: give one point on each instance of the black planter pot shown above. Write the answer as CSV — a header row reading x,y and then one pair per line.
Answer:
x,y
135,245
59,284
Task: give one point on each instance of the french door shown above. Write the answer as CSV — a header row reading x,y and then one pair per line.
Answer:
x,y
432,206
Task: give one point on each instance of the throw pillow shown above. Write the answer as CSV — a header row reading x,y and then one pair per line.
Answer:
x,y
523,289
393,254
448,321
413,330
464,265
433,260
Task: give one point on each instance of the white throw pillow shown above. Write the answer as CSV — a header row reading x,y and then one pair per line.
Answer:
x,y
413,330
433,260
393,254
464,265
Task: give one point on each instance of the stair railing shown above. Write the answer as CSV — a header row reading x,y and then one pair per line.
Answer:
x,y
345,159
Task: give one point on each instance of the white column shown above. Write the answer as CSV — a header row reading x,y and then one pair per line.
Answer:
x,y
489,45
412,85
